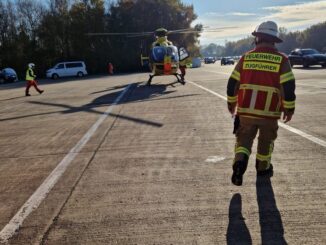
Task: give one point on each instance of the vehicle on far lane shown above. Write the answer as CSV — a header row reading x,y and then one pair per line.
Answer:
x,y
209,60
227,61
307,57
8,75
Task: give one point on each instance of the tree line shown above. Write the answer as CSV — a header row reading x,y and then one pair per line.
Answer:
x,y
55,31
312,37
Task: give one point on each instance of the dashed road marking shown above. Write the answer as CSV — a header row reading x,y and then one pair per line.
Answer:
x,y
287,127
40,194
214,159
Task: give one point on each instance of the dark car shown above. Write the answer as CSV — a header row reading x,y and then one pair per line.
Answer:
x,y
307,57
8,75
209,60
227,61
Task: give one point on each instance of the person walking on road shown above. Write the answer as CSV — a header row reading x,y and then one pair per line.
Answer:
x,y
260,88
30,79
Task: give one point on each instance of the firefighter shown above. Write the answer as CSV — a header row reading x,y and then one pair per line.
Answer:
x,y
30,80
161,38
110,68
260,88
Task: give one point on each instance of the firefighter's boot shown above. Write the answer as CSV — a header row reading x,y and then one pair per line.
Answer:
x,y
239,168
264,172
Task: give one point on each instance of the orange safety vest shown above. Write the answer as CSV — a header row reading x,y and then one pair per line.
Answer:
x,y
259,93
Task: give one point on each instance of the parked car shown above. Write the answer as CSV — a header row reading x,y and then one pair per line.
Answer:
x,y
8,75
307,57
209,60
227,61
196,62
66,69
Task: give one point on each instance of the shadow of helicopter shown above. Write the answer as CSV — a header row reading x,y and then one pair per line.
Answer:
x,y
143,93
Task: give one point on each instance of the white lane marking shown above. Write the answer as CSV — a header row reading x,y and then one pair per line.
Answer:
x,y
303,134
40,194
208,90
214,159
304,71
287,127
219,72
310,85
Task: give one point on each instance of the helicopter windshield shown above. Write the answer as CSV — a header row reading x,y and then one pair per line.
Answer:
x,y
159,52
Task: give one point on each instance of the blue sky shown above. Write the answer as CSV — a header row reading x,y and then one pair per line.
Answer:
x,y
245,15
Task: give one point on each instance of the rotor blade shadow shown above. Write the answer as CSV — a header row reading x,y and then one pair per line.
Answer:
x,y
88,108
13,98
137,120
112,88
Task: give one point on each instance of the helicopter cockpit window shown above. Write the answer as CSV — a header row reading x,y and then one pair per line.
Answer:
x,y
159,52
173,52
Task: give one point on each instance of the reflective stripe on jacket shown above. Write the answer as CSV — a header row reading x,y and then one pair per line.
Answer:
x,y
260,74
30,75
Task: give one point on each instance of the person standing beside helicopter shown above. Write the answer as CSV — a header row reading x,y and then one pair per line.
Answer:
x,y
183,60
182,68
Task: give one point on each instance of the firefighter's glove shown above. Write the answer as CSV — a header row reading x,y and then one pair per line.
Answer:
x,y
231,107
287,115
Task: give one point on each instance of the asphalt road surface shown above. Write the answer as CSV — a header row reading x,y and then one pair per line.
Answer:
x,y
108,160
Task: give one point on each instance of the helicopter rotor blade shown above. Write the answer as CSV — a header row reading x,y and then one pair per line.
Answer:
x,y
118,33
144,34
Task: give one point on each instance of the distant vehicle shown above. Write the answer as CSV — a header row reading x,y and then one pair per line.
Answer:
x,y
209,60
8,75
307,57
227,61
66,69
196,62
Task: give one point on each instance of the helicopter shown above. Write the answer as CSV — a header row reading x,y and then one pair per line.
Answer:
x,y
164,58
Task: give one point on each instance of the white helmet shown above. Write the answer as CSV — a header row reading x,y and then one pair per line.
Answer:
x,y
268,30
31,65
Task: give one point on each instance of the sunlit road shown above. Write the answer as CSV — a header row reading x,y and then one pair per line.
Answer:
x,y
108,160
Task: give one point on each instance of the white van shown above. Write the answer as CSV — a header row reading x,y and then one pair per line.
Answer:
x,y
66,69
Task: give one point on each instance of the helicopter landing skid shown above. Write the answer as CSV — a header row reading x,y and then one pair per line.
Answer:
x,y
178,76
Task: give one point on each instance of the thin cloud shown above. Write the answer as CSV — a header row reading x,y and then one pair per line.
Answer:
x,y
293,17
213,14
242,14
301,14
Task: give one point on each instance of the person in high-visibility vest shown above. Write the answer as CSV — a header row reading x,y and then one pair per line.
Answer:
x,y
259,90
161,38
30,80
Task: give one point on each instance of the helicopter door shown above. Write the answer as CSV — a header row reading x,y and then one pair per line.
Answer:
x,y
183,53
